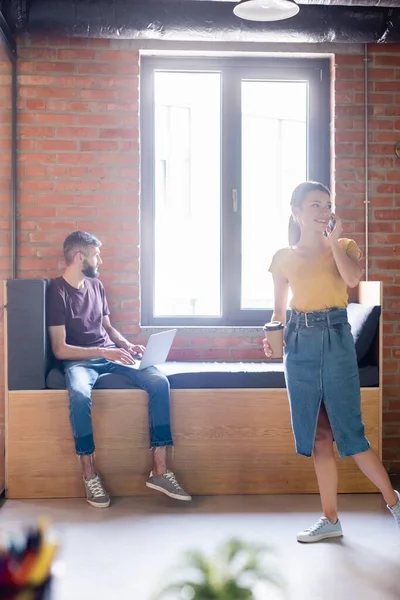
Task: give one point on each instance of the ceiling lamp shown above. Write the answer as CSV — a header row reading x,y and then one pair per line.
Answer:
x,y
266,10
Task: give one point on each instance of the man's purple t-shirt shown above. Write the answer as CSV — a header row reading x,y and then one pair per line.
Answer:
x,y
81,311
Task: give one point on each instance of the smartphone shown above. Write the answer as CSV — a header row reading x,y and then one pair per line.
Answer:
x,y
331,226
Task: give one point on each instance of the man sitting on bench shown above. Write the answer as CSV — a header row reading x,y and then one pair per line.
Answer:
x,y
83,338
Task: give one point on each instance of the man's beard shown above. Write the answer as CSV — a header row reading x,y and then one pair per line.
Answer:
x,y
89,270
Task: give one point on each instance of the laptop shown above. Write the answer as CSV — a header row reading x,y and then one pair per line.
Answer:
x,y
157,350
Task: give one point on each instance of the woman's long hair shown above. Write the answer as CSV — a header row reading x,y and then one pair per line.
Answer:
x,y
299,194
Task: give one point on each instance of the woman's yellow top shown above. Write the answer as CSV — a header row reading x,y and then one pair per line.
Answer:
x,y
315,282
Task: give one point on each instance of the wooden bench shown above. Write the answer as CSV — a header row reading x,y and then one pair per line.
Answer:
x,y
227,441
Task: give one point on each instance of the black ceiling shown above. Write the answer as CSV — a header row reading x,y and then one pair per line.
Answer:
x,y
359,21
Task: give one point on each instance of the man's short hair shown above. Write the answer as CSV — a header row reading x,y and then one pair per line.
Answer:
x,y
78,241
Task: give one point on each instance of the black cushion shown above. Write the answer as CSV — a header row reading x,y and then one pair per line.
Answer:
x,y
204,375
29,357
364,321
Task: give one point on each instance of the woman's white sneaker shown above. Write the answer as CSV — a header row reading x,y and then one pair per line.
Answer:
x,y
395,510
322,530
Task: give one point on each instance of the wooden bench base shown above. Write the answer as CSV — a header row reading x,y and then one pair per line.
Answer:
x,y
234,441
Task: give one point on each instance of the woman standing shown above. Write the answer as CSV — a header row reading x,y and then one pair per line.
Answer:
x,y
320,362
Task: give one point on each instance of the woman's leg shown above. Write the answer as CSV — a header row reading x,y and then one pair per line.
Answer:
x,y
325,466
325,469
371,466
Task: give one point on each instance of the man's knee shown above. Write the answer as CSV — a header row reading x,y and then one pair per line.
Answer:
x,y
80,399
160,383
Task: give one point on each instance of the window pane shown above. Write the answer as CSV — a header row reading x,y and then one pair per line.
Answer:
x,y
187,194
274,161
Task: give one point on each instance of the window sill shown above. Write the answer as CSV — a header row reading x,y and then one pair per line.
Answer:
x,y
196,328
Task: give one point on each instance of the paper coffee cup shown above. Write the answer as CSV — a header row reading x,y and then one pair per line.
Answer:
x,y
274,334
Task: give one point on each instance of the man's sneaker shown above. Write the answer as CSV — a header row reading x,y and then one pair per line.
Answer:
x,y
96,495
322,530
395,510
167,484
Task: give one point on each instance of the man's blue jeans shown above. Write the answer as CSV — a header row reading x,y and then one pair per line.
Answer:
x,y
81,376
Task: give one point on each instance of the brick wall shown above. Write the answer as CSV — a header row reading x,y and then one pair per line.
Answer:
x,y
5,206
79,167
384,189
79,161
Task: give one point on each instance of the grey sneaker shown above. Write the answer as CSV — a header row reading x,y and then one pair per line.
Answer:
x,y
96,495
322,530
395,510
167,484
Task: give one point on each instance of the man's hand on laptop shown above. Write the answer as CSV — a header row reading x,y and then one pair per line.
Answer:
x,y
119,355
136,351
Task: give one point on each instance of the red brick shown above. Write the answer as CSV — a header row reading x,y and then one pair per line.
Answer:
x,y
381,149
349,111
54,92
78,171
36,132
387,60
57,145
393,175
78,55
76,159
58,224
107,68
382,124
98,94
26,225
56,171
77,132
383,49
35,104
119,133
54,239
384,136
100,226
66,106
77,185
387,86
387,215
54,119
36,264
344,149
117,56
381,227
71,211
37,185
89,42
56,67
377,73
99,146
34,171
131,305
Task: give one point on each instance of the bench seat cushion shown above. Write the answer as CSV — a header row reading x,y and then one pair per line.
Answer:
x,y
203,375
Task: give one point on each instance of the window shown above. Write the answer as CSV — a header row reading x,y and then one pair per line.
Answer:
x,y
223,144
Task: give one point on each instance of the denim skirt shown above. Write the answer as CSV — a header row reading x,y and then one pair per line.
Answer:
x,y
321,367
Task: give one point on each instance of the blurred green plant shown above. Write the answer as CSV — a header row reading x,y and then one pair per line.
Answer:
x,y
232,573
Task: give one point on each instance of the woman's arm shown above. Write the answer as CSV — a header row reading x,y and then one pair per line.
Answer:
x,y
281,290
347,263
